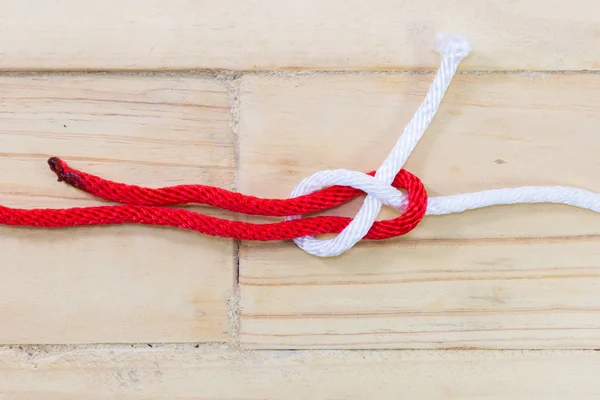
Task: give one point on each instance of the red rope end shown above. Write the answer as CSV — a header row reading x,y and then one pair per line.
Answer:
x,y
64,172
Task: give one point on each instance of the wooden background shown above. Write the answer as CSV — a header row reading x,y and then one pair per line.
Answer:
x,y
500,303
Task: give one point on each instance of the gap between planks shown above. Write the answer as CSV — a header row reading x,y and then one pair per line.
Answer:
x,y
232,83
175,371
230,75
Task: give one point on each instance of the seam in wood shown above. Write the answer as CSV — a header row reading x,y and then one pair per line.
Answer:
x,y
33,351
232,83
233,75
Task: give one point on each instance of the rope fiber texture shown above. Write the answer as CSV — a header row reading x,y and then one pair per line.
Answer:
x,y
320,191
145,206
453,49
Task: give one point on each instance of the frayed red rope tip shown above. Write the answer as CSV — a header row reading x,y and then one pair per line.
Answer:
x,y
56,167
63,172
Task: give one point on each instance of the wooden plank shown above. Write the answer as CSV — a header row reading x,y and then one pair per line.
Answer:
x,y
299,34
204,373
112,284
502,277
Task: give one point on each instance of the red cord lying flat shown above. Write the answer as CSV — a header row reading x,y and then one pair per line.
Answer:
x,y
142,208
208,195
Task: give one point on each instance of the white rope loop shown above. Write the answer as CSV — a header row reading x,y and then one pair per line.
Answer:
x,y
452,49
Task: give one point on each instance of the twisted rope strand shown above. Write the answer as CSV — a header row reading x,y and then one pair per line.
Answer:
x,y
208,195
180,218
321,199
453,49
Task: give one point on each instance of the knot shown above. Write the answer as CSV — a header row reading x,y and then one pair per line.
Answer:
x,y
453,49
414,205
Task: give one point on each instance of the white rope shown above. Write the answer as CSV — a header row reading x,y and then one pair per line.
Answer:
x,y
443,205
452,49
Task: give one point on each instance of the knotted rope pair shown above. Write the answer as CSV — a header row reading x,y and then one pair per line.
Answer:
x,y
320,191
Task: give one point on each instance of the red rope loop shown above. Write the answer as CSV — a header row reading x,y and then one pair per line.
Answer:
x,y
146,206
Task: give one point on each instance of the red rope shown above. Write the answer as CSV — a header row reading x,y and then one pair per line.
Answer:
x,y
145,206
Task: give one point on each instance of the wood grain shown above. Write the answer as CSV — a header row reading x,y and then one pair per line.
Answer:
x,y
112,284
295,34
201,373
503,277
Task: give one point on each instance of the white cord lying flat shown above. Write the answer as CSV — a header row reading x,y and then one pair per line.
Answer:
x,y
528,194
452,49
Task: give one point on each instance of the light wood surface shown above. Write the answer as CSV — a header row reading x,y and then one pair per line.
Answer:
x,y
503,277
294,34
500,303
112,284
200,373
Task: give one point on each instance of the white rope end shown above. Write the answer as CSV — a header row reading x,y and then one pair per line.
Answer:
x,y
452,45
